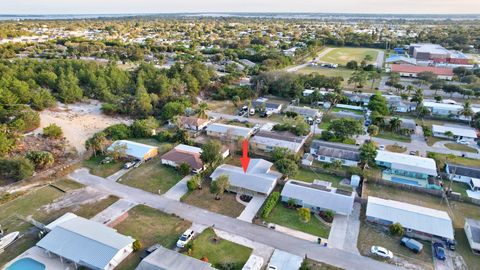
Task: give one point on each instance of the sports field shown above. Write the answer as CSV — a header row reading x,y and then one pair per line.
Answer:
x,y
343,55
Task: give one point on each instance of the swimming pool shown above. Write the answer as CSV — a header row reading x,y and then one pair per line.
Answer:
x,y
404,181
26,263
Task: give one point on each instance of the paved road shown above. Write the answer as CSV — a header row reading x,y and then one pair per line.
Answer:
x,y
320,55
380,57
249,231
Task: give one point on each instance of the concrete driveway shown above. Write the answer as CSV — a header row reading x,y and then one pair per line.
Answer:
x,y
443,265
118,174
252,208
263,235
114,211
176,192
344,231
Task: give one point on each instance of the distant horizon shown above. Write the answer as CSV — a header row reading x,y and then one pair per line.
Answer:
x,y
122,7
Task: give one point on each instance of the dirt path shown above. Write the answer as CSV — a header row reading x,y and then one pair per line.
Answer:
x,y
78,121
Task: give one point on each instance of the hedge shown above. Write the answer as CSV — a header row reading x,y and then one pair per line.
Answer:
x,y
270,204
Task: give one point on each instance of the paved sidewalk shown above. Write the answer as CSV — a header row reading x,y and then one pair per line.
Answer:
x,y
259,249
252,208
176,192
117,175
114,211
344,231
297,234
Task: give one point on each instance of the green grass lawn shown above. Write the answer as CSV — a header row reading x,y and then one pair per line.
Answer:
x,y
442,158
393,136
331,72
460,147
343,55
203,198
348,110
396,148
67,184
150,227
152,176
313,265
432,140
460,211
458,187
102,170
284,216
308,175
222,254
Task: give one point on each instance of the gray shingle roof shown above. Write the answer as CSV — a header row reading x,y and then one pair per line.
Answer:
x,y
336,150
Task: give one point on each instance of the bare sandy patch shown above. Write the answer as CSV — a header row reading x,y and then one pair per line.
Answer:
x,y
79,121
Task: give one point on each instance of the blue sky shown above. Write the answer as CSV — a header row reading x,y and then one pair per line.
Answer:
x,y
169,6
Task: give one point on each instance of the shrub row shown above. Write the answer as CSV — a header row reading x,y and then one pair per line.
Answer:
x,y
270,204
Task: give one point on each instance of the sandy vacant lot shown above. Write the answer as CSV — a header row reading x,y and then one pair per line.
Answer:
x,y
78,121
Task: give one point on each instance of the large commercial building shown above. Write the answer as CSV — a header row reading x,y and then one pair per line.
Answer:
x,y
437,54
412,71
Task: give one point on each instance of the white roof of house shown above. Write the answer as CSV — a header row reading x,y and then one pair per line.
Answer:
x,y
188,148
166,259
234,130
84,241
447,106
411,216
307,111
319,196
408,162
457,131
277,139
134,149
258,177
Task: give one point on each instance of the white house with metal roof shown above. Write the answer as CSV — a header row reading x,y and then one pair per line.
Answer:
x,y
418,221
166,259
304,111
407,169
472,231
266,141
318,197
258,179
459,133
228,131
86,243
136,150
447,109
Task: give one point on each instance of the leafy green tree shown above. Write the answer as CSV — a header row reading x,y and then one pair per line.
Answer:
x,y
467,111
221,184
344,128
396,229
118,132
53,131
373,130
144,128
352,64
119,151
202,110
287,167
172,109
184,169
41,159
142,99
97,143
368,153
211,153
378,103
6,144
395,124
42,99
16,169
304,214
67,87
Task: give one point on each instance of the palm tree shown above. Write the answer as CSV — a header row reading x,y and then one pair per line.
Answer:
x,y
467,111
395,123
373,76
202,110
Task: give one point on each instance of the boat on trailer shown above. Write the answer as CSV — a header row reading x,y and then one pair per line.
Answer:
x,y
6,240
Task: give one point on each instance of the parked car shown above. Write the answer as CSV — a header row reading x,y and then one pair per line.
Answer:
x,y
451,244
413,153
185,238
463,142
382,252
272,267
106,160
439,250
381,147
138,163
411,244
129,165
